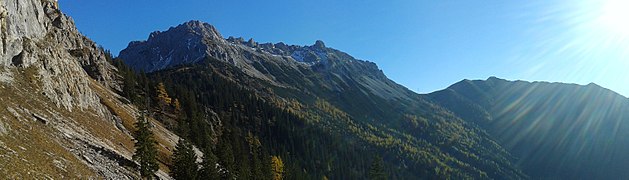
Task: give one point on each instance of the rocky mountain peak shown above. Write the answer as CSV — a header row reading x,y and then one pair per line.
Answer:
x,y
201,28
153,34
319,44
183,44
238,40
252,43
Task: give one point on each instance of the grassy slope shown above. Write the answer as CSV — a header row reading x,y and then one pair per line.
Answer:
x,y
32,148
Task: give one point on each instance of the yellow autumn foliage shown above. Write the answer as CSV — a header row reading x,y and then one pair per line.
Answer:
x,y
277,166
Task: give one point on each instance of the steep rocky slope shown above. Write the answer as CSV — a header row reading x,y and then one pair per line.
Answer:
x,y
556,130
35,34
59,116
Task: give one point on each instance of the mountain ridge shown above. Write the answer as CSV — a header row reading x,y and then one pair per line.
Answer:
x,y
360,89
567,116
320,82
234,51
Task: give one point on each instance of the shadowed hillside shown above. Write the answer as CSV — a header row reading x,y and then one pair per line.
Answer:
x,y
555,130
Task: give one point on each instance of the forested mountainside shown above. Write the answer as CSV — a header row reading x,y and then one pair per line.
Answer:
x,y
323,112
555,130
249,110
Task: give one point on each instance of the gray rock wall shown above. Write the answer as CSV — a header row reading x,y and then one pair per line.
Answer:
x,y
35,35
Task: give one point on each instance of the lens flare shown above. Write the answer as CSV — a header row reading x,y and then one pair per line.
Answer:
x,y
614,15
578,41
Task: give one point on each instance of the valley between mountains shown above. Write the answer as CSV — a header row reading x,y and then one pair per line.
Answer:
x,y
230,108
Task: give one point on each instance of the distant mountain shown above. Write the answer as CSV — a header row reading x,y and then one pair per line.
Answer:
x,y
557,131
356,110
195,41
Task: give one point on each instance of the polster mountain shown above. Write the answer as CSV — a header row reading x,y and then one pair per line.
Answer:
x,y
350,102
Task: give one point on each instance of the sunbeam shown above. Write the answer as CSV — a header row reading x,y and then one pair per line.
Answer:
x,y
580,41
613,15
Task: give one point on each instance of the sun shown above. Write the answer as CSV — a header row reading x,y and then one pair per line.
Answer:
x,y
614,16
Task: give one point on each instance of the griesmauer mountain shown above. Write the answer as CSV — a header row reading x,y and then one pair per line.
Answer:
x,y
349,100
255,110
194,41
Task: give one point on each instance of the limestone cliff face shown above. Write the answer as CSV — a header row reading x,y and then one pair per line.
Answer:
x,y
34,34
59,115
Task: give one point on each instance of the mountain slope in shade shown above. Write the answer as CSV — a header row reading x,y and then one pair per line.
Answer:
x,y
556,130
336,94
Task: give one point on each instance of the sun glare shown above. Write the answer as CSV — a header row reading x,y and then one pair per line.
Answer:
x,y
614,16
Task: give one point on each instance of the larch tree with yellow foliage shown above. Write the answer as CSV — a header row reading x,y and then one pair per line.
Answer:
x,y
163,99
278,167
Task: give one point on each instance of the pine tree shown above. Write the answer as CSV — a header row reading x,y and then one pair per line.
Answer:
x,y
376,171
145,151
244,169
184,161
226,158
255,149
209,170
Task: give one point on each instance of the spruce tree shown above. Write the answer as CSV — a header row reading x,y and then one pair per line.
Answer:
x,y
209,170
376,171
184,161
145,151
226,159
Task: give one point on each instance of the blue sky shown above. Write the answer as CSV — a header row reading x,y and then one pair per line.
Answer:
x,y
423,45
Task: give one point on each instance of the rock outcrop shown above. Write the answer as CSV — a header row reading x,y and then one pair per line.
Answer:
x,y
60,117
35,35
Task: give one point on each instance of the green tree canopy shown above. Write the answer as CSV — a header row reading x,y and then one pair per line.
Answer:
x,y
208,169
145,151
376,171
184,161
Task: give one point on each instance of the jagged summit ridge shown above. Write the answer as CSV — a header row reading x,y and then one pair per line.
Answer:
x,y
316,53
160,50
277,63
319,44
194,27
